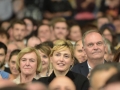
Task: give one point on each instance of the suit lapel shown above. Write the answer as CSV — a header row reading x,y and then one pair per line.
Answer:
x,y
84,68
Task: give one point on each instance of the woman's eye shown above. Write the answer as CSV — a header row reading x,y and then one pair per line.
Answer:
x,y
57,54
23,59
67,56
32,60
44,56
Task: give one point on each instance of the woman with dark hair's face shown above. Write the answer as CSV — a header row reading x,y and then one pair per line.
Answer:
x,y
12,66
108,35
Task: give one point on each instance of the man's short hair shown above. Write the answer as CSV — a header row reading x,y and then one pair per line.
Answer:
x,y
18,22
2,45
88,32
56,20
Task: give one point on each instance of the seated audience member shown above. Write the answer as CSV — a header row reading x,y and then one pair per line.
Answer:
x,y
62,59
108,31
110,8
109,51
62,83
75,33
60,28
79,53
100,74
55,8
30,28
113,83
36,86
94,47
102,20
4,36
44,32
18,32
3,52
85,9
29,65
117,56
44,52
12,63
10,47
33,41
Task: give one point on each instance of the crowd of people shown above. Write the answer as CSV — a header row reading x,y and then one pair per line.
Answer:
x,y
60,45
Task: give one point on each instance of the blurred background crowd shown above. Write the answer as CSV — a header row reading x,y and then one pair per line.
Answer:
x,y
51,38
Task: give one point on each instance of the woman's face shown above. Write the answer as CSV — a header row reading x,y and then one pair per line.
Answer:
x,y
61,60
12,65
107,34
44,60
75,33
28,63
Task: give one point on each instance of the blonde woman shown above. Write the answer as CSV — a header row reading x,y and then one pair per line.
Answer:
x,y
29,65
44,52
62,58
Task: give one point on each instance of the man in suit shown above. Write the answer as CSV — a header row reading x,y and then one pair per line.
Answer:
x,y
94,47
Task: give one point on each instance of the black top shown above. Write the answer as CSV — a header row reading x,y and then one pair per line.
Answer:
x,y
7,70
80,81
81,68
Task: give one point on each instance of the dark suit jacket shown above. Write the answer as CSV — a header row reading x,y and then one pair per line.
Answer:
x,y
80,81
81,68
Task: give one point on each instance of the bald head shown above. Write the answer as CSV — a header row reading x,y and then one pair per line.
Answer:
x,y
62,83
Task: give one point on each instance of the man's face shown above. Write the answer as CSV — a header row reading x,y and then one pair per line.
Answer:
x,y
79,52
100,77
44,33
60,30
19,32
75,33
29,26
94,46
2,57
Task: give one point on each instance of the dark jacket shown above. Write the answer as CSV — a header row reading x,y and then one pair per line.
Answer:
x,y
80,81
81,68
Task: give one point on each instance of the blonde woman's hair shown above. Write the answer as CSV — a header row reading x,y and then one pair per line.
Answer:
x,y
62,45
29,50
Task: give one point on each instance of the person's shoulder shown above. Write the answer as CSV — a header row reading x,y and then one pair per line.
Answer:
x,y
77,75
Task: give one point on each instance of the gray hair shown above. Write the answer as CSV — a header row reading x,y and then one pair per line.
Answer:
x,y
91,31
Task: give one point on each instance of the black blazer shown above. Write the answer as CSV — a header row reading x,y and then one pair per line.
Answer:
x,y
81,68
80,81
